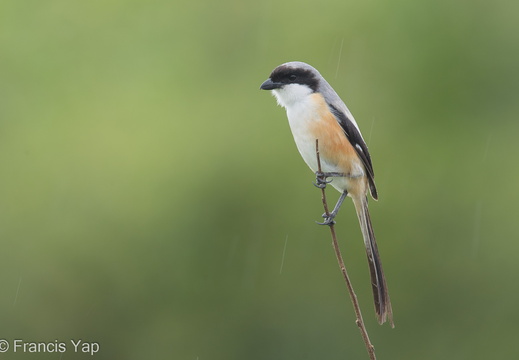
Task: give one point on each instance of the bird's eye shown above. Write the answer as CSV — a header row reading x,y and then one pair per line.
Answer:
x,y
292,77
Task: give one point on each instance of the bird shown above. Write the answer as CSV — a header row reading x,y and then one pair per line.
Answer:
x,y
316,112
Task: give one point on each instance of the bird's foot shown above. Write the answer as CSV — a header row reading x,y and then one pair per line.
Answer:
x,y
328,219
321,180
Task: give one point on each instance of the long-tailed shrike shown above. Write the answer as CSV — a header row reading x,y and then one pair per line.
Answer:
x,y
316,112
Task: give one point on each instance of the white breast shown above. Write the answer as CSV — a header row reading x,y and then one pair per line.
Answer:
x,y
300,118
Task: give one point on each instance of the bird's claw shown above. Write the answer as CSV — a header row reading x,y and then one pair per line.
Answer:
x,y
321,180
328,219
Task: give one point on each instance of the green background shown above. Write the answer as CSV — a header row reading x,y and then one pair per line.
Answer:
x,y
152,199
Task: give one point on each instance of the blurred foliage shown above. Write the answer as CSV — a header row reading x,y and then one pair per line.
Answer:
x,y
152,199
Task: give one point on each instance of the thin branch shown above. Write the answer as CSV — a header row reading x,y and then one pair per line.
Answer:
x,y
360,323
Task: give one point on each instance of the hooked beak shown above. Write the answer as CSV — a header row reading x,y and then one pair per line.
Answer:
x,y
270,85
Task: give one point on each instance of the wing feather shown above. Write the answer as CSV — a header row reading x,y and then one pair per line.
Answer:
x,y
354,136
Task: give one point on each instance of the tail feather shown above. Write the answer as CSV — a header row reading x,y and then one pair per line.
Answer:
x,y
378,281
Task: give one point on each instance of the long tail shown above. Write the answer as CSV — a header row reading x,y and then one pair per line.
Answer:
x,y
378,281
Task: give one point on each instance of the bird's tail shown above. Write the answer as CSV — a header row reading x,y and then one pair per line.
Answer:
x,y
378,281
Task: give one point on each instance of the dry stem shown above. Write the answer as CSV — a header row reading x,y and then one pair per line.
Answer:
x,y
360,323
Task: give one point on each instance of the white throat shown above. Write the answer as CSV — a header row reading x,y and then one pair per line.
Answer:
x,y
291,94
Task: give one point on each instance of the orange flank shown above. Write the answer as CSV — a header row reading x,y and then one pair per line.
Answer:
x,y
334,146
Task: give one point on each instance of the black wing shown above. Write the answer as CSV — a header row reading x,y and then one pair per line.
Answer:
x,y
355,138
